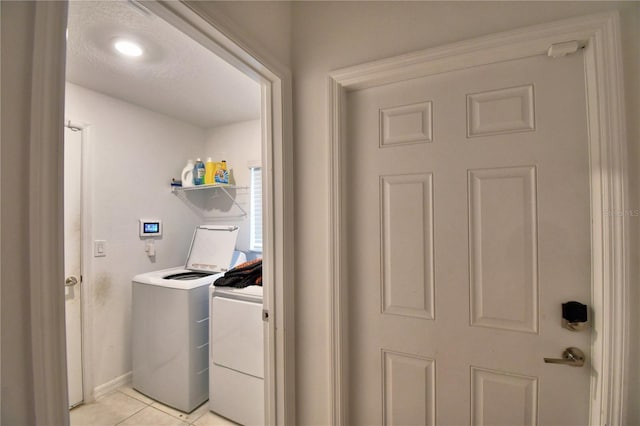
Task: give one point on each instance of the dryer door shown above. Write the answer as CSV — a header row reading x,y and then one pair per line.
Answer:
x,y
237,335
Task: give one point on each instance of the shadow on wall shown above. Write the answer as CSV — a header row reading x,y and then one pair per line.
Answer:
x,y
215,203
102,289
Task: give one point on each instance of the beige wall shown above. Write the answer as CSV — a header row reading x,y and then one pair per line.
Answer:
x,y
312,38
17,382
631,46
332,35
267,24
329,35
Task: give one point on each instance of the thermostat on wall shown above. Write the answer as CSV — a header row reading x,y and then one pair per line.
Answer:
x,y
150,227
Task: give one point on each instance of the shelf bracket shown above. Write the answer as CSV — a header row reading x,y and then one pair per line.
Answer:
x,y
180,191
244,213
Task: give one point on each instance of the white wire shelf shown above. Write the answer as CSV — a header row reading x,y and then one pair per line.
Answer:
x,y
223,187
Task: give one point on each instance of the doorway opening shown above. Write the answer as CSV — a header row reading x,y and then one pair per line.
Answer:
x,y
140,142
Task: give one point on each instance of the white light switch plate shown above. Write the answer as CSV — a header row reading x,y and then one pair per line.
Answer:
x,y
99,248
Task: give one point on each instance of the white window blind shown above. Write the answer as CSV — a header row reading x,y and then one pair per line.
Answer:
x,y
255,215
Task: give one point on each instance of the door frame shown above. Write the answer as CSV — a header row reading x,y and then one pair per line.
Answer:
x,y
608,179
47,327
86,206
226,40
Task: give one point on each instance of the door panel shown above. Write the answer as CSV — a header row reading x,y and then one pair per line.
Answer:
x,y
503,248
470,190
72,261
407,255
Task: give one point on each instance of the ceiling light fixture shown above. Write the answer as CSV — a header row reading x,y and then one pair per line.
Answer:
x,y
128,48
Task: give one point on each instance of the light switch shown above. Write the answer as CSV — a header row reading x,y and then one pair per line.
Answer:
x,y
99,248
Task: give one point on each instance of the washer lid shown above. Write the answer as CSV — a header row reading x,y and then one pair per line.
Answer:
x,y
212,248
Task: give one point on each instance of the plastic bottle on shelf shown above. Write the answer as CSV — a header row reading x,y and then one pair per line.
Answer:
x,y
222,174
198,172
209,172
187,175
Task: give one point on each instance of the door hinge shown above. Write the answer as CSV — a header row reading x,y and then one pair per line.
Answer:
x,y
558,50
265,315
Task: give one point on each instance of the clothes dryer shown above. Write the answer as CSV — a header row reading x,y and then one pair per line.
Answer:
x,y
236,383
170,321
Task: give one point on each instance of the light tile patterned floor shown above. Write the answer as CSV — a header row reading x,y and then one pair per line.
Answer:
x,y
126,406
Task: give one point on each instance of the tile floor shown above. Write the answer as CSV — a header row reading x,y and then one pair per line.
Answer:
x,y
125,406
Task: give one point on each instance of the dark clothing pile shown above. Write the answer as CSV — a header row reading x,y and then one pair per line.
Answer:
x,y
243,275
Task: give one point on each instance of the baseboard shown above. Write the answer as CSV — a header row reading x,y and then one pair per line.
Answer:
x,y
112,385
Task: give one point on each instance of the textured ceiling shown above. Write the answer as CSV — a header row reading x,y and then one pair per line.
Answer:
x,y
176,76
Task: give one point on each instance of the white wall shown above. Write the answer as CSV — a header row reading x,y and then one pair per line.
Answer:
x,y
135,153
240,145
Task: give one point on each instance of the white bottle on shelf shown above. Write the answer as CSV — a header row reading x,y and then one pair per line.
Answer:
x,y
187,175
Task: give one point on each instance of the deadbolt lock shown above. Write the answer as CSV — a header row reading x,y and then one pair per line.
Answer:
x,y
574,316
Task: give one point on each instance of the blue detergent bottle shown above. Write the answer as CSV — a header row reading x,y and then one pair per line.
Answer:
x,y
198,172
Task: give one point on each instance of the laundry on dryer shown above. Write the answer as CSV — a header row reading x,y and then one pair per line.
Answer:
x,y
170,320
243,275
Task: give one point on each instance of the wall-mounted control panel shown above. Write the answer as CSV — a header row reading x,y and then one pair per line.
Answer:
x,y
150,227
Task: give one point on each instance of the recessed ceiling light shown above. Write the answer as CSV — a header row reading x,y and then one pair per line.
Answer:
x,y
128,48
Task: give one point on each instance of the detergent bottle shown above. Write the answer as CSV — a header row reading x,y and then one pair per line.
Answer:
x,y
222,174
198,172
187,175
209,171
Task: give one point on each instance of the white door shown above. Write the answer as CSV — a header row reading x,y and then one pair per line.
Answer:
x,y
468,226
72,260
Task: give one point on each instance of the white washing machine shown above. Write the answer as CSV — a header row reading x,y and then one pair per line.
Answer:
x,y
236,374
170,321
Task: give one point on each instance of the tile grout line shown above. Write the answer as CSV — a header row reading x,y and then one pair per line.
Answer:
x,y
145,402
193,423
133,414
190,423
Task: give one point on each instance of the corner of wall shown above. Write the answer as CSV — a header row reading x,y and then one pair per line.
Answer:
x,y
263,25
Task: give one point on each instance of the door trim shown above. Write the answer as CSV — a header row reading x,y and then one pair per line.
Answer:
x,y
47,323
607,148
48,361
86,206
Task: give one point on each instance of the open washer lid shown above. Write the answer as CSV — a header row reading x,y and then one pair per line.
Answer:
x,y
212,248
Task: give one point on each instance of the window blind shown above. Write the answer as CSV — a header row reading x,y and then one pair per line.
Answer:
x,y
255,216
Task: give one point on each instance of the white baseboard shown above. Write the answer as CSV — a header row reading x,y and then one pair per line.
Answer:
x,y
112,385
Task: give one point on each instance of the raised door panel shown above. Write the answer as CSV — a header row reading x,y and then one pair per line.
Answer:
x,y
407,245
503,248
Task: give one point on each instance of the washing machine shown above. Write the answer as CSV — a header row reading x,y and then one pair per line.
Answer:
x,y
236,374
170,320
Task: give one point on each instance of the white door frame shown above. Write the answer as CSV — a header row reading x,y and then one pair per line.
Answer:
x,y
223,39
47,326
86,206
607,150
